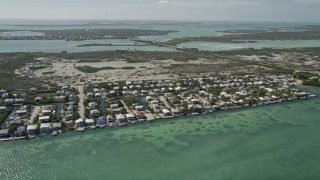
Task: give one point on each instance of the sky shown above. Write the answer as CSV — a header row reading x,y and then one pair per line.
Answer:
x,y
193,10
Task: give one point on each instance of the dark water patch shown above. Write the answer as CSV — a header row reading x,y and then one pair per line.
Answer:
x,y
189,122
227,126
218,122
287,107
241,114
123,135
243,125
189,131
168,144
160,137
199,122
273,119
148,135
197,129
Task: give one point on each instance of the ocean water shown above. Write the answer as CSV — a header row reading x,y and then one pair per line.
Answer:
x,y
185,29
217,46
271,142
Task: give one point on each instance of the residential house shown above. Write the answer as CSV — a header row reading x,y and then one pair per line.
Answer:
x,y
166,112
94,113
57,126
44,119
79,123
45,128
32,129
4,133
21,131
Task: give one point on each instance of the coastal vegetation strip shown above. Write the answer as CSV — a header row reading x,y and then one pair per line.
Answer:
x,y
92,34
251,36
297,59
109,44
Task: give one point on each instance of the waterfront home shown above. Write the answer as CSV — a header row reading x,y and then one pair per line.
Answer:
x,y
94,113
101,121
45,128
32,129
4,133
110,119
20,131
89,122
166,112
130,117
57,126
121,119
176,112
44,119
140,115
79,123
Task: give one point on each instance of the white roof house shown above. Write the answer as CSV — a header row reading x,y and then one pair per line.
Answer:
x,y
89,121
79,122
121,117
130,116
46,111
93,104
44,118
32,129
94,112
166,112
114,106
45,126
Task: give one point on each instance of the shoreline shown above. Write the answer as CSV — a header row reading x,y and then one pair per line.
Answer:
x,y
158,119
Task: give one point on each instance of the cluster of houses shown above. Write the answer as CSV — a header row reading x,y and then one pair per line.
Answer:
x,y
45,122
120,103
190,96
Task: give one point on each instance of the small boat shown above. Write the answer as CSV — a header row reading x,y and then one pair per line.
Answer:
x,y
54,133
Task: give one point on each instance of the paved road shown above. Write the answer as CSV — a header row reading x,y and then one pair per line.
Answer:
x,y
125,106
81,101
163,99
34,114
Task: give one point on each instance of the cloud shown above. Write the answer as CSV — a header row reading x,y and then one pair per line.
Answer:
x,y
162,2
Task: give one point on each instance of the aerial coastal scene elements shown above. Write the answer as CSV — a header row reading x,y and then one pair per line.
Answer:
x,y
165,89
62,91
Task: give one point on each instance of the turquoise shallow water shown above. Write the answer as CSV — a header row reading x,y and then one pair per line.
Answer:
x,y
186,29
271,142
